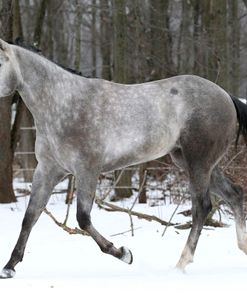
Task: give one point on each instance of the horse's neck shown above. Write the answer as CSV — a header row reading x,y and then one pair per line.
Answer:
x,y
39,81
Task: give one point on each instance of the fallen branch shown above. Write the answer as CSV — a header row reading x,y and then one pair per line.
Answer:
x,y
212,223
114,208
111,208
122,233
64,226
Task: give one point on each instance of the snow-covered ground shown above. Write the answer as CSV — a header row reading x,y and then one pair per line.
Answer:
x,y
62,267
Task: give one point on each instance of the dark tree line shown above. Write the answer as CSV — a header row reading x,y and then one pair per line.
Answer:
x,y
127,41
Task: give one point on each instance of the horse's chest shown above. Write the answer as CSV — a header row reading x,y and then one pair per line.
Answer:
x,y
57,144
71,145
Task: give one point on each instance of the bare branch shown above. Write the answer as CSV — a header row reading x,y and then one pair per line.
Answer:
x,y
114,208
65,227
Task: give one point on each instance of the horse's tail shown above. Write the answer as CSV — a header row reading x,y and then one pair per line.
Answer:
x,y
241,110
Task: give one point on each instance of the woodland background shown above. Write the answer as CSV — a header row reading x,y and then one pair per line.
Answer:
x,y
127,41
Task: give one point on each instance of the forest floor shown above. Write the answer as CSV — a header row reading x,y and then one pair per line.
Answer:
x,y
62,267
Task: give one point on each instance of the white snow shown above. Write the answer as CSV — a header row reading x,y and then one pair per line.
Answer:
x,y
62,267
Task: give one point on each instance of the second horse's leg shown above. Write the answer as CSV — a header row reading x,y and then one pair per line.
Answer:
x,y
233,196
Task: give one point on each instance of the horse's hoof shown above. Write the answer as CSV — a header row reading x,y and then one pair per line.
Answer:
x,y
127,256
180,269
243,248
7,273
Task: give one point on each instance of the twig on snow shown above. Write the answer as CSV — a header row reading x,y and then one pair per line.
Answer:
x,y
114,208
64,226
169,222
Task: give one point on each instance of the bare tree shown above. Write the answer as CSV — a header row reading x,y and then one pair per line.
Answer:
x,y
214,17
94,38
161,40
6,189
123,189
105,39
234,47
185,39
78,23
198,44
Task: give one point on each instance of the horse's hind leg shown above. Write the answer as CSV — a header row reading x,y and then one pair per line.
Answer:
x,y
233,196
85,195
44,181
199,179
201,206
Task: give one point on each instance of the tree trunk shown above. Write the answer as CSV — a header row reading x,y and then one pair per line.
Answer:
x,y
119,43
185,40
39,22
220,40
198,43
214,17
78,20
17,26
234,47
93,39
142,183
6,188
161,40
136,66
105,39
16,33
123,189
50,41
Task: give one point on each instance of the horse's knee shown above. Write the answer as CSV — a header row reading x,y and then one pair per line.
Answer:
x,y
83,219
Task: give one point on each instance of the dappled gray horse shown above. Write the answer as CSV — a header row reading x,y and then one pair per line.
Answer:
x,y
88,126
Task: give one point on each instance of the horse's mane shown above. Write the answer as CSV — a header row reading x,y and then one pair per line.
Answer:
x,y
33,48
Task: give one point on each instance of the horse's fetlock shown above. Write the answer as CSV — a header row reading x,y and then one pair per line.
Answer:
x,y
106,248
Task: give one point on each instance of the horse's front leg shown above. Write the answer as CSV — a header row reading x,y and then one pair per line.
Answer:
x,y
85,195
44,180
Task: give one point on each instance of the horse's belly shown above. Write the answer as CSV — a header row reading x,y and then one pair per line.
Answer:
x,y
126,152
